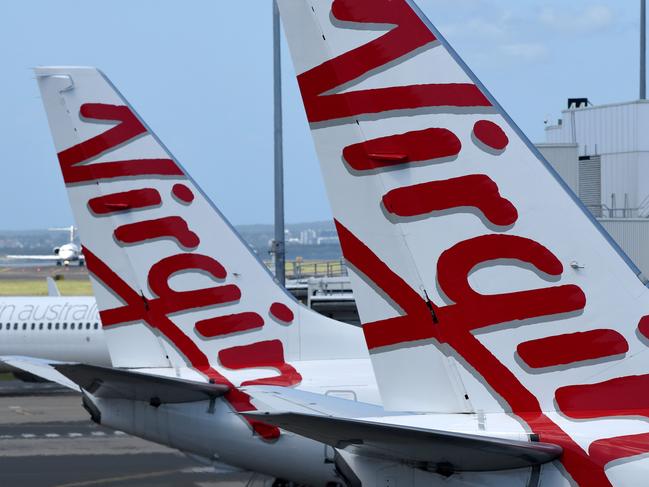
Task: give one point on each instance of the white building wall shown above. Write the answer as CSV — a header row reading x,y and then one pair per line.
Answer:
x,y
642,181
604,129
620,177
558,134
619,134
633,236
608,129
563,157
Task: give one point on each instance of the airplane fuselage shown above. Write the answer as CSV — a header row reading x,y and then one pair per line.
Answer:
x,y
215,431
56,328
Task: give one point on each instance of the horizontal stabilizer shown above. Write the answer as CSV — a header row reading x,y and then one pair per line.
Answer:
x,y
40,368
111,383
459,452
287,399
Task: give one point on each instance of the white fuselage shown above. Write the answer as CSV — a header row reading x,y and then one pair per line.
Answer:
x,y
69,252
217,432
56,328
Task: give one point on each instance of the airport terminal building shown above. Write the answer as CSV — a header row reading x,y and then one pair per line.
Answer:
x,y
602,152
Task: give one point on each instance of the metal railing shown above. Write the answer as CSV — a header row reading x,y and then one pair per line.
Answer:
x,y
603,211
300,269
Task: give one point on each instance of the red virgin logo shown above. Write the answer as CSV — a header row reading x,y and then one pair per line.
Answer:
x,y
158,311
454,324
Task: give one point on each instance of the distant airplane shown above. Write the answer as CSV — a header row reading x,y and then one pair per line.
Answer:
x,y
63,255
192,318
67,329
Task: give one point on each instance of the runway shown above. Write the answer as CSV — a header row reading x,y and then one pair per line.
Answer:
x,y
21,271
46,440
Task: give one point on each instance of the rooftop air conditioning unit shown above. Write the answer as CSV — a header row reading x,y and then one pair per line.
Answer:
x,y
574,103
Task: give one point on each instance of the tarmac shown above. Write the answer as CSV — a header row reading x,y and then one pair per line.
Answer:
x,y
47,440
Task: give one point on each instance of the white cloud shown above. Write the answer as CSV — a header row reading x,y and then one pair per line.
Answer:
x,y
594,18
476,29
532,51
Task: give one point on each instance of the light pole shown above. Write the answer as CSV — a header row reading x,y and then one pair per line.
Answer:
x,y
643,49
279,247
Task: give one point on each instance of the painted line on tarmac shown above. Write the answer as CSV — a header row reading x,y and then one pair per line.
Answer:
x,y
92,434
110,480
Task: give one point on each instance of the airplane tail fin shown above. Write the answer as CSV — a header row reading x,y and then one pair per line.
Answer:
x,y
175,284
52,288
482,282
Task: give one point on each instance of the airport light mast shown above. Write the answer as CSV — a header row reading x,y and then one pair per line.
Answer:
x,y
643,49
279,249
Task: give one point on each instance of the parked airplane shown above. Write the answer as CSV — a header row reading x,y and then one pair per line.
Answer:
x,y
191,317
53,327
63,255
492,301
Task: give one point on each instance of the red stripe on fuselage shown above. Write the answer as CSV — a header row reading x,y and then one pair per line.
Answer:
x,y
608,450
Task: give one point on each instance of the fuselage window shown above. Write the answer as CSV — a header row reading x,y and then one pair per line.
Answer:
x,y
87,326
15,326
49,326
71,326
40,326
65,326
33,326
56,326
24,326
96,326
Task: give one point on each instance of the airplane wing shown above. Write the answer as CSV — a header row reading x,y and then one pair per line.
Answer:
x,y
51,257
459,451
40,368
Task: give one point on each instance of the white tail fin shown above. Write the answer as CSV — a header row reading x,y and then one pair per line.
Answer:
x,y
175,285
482,282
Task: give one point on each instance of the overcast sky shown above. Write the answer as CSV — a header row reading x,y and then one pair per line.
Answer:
x,y
200,74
